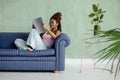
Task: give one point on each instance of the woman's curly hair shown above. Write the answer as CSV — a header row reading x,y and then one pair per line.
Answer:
x,y
57,17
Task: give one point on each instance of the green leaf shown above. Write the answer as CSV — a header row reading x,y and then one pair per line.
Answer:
x,y
101,16
91,15
95,8
96,19
103,11
117,68
99,11
112,51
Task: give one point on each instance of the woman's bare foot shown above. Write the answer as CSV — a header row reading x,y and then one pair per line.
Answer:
x,y
29,49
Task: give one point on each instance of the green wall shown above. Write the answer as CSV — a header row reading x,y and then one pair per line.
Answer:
x,y
17,16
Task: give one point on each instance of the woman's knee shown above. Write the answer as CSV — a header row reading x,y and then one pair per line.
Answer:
x,y
17,41
20,44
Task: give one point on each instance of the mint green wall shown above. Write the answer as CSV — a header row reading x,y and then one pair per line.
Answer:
x,y
17,16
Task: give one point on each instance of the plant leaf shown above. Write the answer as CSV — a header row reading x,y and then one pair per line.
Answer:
x,y
95,8
103,11
112,51
101,16
117,68
91,15
99,11
96,19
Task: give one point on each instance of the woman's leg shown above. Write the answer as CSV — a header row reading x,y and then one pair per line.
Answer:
x,y
20,44
34,40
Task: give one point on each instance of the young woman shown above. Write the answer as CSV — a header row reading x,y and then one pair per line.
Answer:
x,y
37,42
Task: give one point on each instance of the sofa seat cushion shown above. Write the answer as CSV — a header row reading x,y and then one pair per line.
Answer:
x,y
17,58
8,52
48,52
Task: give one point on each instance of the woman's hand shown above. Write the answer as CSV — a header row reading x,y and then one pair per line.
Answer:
x,y
45,27
54,35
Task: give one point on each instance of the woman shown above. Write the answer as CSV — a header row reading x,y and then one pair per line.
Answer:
x,y
37,42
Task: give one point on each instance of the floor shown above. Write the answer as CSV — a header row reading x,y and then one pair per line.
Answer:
x,y
73,71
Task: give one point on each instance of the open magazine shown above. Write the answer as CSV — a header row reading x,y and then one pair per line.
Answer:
x,y
38,25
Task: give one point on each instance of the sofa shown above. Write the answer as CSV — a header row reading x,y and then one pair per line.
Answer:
x,y
13,59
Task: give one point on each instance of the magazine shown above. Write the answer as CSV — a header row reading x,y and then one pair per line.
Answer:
x,y
38,25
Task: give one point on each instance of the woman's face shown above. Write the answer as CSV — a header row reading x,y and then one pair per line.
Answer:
x,y
53,24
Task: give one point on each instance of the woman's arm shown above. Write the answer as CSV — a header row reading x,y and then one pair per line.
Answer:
x,y
54,35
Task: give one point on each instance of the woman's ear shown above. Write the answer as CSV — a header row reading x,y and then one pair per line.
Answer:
x,y
57,24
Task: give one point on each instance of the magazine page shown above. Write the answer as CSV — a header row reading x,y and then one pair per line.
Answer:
x,y
38,25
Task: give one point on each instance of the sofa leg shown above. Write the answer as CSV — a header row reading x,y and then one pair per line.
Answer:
x,y
56,72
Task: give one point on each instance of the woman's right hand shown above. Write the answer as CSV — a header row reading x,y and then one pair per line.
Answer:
x,y
45,27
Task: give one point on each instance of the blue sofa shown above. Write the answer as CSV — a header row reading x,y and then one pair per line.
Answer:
x,y
38,60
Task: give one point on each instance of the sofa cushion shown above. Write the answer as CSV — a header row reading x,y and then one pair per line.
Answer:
x,y
8,52
22,58
7,39
48,52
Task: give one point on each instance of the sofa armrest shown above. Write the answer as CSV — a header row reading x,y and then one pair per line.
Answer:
x,y
61,42
62,37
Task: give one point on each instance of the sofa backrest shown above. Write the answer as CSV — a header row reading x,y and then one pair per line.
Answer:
x,y
7,39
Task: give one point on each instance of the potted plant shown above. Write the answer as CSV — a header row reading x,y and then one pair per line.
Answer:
x,y
112,51
96,16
